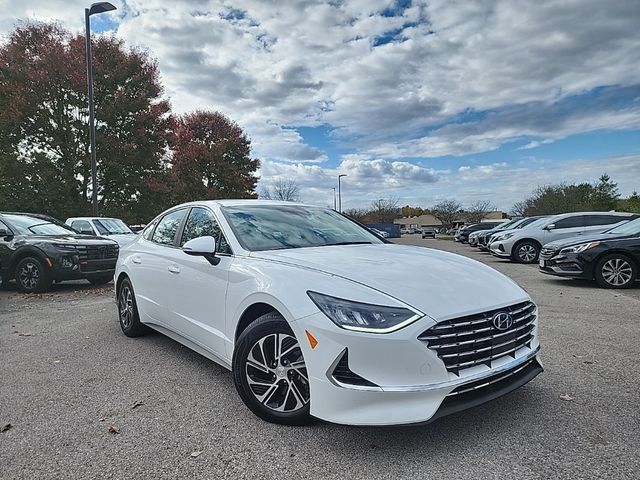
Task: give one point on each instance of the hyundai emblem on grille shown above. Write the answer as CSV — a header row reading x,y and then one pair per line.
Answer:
x,y
502,321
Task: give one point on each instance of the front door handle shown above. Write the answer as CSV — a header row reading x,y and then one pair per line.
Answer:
x,y
136,260
173,268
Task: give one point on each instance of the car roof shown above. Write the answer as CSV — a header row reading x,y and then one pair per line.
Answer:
x,y
34,215
240,202
573,214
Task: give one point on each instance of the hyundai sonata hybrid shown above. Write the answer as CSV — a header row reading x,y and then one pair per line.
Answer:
x,y
318,317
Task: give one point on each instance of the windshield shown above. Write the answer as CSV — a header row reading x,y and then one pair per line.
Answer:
x,y
629,228
109,226
36,226
276,227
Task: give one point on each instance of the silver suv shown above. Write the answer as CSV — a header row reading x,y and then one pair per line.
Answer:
x,y
524,245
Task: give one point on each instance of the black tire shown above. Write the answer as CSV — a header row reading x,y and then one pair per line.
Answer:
x,y
103,280
526,251
289,387
128,311
32,276
616,271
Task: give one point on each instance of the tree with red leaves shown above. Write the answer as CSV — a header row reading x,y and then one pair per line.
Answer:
x,y
211,159
44,156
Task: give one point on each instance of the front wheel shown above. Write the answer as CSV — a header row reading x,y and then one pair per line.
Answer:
x,y
526,252
31,276
269,372
615,271
128,311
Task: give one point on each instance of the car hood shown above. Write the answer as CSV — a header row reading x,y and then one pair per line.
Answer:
x,y
568,242
70,239
440,284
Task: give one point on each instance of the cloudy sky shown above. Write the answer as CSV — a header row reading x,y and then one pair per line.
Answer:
x,y
474,100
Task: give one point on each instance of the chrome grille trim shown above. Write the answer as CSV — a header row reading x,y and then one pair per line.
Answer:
x,y
473,340
490,380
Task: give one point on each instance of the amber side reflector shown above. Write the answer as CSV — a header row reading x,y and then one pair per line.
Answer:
x,y
312,340
49,262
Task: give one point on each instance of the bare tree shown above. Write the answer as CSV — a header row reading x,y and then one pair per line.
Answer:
x,y
385,210
520,209
285,189
447,212
359,215
478,211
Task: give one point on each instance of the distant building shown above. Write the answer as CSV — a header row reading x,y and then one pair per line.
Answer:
x,y
431,221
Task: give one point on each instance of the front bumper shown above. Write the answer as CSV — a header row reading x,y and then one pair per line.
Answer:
x,y
405,382
564,265
500,249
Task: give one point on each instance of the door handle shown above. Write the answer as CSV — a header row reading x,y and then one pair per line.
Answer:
x,y
136,260
173,268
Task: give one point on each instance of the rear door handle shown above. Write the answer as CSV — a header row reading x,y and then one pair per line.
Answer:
x,y
173,268
136,260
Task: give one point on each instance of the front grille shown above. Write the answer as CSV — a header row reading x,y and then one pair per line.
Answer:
x,y
547,252
474,340
96,252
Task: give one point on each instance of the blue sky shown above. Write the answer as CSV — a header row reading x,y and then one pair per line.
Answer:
x,y
419,101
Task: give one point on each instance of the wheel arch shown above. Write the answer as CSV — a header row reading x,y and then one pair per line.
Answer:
x,y
251,314
24,252
119,280
619,251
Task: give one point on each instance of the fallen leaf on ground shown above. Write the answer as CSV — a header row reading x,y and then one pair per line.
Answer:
x,y
112,429
566,397
196,453
6,427
25,334
136,404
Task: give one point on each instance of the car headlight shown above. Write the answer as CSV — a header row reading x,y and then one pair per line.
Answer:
x,y
580,248
504,236
364,317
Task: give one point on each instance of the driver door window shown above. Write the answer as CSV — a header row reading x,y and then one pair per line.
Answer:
x,y
201,223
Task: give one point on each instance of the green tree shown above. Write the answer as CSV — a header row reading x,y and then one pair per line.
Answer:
x,y
211,159
44,155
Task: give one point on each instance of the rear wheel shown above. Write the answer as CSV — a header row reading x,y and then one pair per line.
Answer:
x,y
526,252
616,271
269,372
31,276
128,311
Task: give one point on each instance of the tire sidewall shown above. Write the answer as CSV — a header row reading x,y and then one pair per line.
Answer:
x,y
136,328
600,278
44,281
266,324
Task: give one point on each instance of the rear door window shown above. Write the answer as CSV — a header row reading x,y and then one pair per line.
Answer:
x,y
571,222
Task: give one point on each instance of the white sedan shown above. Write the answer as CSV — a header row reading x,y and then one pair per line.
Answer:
x,y
318,317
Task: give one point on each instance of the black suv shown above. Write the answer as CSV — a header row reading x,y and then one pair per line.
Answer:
x,y
37,250
468,230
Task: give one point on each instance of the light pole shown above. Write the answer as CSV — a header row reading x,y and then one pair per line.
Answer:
x,y
340,192
334,198
99,7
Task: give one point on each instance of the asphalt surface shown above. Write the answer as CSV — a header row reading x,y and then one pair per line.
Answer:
x,y
67,374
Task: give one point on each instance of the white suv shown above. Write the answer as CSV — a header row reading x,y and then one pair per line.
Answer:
x,y
524,245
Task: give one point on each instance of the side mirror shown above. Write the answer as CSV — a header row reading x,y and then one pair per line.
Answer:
x,y
202,247
551,226
4,232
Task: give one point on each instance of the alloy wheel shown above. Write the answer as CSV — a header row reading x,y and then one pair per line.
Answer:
x,y
617,272
125,306
527,253
276,373
29,275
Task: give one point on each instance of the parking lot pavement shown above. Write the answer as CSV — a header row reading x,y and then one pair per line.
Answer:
x,y
68,374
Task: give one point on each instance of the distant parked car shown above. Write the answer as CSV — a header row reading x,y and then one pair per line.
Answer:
x,y
114,228
611,258
380,233
428,232
403,231
484,238
37,250
463,236
524,245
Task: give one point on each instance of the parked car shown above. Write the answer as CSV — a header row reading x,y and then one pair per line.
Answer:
x,y
484,238
37,250
463,236
428,232
380,233
114,228
611,258
317,317
404,231
524,245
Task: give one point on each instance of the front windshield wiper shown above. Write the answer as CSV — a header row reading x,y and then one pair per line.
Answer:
x,y
347,243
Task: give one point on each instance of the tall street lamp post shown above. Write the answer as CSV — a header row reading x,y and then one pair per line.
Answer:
x,y
340,192
99,7
334,198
